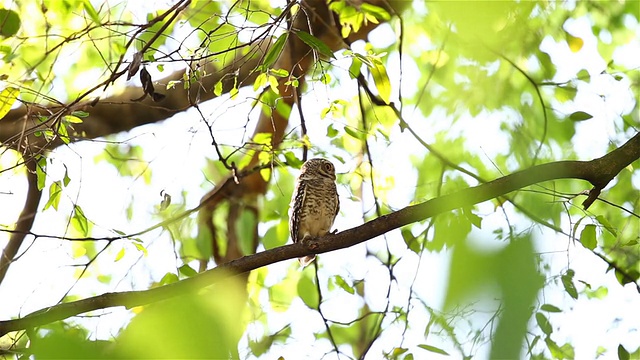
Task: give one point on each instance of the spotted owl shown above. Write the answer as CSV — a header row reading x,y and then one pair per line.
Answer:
x,y
314,204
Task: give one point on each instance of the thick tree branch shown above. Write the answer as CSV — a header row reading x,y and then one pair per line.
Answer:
x,y
598,172
25,220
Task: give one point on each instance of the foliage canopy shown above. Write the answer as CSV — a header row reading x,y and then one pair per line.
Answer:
x,y
487,157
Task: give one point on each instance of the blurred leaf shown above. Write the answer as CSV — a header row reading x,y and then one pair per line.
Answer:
x,y
169,278
93,14
473,218
8,96
308,291
9,24
580,116
339,280
119,255
246,228
588,237
567,282
544,324
205,326
433,349
187,271
410,240
607,225
550,308
575,43
276,236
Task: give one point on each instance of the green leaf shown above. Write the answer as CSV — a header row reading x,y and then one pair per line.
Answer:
x,y
308,292
411,241
88,7
8,96
473,218
433,349
623,354
567,282
279,72
543,323
580,116
137,243
276,236
557,352
339,280
315,43
80,113
378,12
246,229
274,52
169,278
550,308
588,237
187,270
80,220
66,179
55,190
40,172
381,79
356,134
607,225
9,22
354,69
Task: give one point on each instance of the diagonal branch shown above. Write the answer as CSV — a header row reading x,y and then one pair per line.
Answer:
x,y
598,172
25,220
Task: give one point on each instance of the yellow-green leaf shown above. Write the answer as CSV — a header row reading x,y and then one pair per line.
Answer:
x,y
80,220
119,255
8,96
381,79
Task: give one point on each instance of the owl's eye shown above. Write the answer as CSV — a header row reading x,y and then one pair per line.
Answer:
x,y
328,167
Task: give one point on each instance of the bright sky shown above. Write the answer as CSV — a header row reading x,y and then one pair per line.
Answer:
x,y
45,274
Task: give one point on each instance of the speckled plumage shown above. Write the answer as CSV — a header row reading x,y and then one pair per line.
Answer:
x,y
314,204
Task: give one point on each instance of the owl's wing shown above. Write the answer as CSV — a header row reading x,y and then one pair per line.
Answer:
x,y
337,203
295,208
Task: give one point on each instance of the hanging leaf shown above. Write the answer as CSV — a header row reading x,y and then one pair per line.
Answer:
x,y
588,237
381,79
567,282
315,43
274,52
79,220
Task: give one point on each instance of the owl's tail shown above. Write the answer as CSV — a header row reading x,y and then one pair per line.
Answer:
x,y
306,260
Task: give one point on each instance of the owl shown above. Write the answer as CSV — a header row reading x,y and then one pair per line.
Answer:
x,y
314,204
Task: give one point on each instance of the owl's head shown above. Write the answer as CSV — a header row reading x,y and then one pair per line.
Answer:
x,y
318,168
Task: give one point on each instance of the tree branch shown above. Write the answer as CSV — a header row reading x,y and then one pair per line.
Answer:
x,y
25,220
598,172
